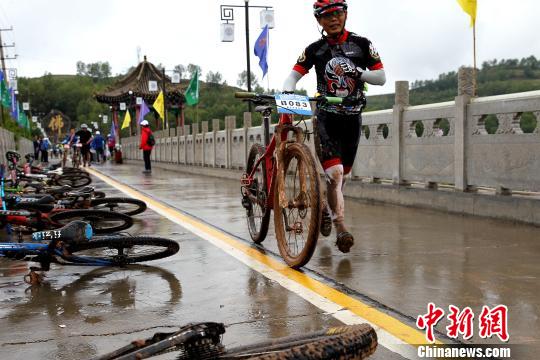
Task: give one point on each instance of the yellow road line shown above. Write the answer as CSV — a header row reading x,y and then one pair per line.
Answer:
x,y
400,330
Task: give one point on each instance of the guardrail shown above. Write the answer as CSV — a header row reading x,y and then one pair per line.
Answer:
x,y
454,148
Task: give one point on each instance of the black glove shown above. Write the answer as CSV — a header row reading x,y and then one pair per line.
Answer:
x,y
287,92
349,70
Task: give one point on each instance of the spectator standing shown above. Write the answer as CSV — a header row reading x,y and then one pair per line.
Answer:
x,y
36,147
147,143
111,144
44,148
99,146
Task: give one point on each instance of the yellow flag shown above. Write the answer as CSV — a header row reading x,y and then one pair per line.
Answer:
x,y
127,121
469,6
159,105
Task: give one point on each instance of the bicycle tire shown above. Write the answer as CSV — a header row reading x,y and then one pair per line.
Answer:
x,y
258,230
297,252
75,181
343,342
96,218
112,249
121,205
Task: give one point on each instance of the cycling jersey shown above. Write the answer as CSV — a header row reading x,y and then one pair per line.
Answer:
x,y
326,55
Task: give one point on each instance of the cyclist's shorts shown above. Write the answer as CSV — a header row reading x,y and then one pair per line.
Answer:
x,y
338,137
85,149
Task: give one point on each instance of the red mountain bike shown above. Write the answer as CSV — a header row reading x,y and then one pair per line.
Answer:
x,y
282,175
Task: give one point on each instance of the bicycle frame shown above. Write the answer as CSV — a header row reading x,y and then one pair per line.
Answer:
x,y
268,157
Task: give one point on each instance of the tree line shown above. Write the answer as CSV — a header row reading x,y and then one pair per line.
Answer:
x,y
73,94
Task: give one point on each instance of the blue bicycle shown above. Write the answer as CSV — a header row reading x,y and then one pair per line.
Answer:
x,y
73,244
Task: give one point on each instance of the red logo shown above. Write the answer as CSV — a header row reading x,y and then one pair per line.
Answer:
x,y
429,320
494,322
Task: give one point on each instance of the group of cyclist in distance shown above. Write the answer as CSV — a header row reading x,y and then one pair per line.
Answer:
x,y
85,138
343,63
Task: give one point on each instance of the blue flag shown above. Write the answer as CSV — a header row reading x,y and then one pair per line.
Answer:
x,y
113,130
143,111
261,49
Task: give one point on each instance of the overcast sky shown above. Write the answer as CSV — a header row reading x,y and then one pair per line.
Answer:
x,y
417,39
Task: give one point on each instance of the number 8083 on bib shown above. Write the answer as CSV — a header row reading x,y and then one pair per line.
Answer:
x,y
293,104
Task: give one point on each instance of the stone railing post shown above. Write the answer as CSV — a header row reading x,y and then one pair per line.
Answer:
x,y
465,93
247,125
401,102
187,131
215,129
204,126
230,124
195,131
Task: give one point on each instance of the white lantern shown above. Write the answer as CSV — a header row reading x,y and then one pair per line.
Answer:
x,y
267,18
26,106
176,78
152,85
227,32
138,100
122,106
105,119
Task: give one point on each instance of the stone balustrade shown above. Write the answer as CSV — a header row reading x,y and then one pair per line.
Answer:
x,y
8,142
463,154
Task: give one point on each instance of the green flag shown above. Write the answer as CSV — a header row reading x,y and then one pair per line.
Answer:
x,y
192,92
5,94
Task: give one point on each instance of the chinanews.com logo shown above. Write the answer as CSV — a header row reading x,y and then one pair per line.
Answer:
x,y
491,323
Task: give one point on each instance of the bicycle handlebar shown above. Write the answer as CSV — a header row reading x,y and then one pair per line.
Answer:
x,y
320,98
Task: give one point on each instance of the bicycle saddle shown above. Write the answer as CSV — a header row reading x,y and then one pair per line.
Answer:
x,y
75,231
12,155
263,108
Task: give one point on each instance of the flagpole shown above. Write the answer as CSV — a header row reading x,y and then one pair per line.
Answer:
x,y
475,85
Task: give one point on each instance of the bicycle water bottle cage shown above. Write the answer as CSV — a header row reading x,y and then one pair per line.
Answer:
x,y
13,156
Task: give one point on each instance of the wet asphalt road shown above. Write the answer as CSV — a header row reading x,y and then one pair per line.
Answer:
x,y
403,259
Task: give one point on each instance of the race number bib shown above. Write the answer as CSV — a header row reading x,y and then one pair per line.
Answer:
x,y
293,104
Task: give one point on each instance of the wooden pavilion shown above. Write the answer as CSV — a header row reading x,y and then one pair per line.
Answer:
x,y
136,84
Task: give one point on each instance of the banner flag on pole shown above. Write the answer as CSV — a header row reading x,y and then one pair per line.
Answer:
x,y
192,92
113,130
143,111
469,6
159,105
127,120
261,49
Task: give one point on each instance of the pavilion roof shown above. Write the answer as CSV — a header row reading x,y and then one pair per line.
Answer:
x,y
137,82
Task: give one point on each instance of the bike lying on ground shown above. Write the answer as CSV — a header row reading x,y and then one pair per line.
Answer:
x,y
203,341
282,175
74,244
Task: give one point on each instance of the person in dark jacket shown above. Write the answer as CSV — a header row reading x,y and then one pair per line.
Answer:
x,y
99,145
145,145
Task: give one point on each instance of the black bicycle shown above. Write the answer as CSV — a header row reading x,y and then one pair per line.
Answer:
x,y
203,341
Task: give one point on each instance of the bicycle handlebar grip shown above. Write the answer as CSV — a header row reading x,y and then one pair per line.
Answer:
x,y
244,95
73,232
333,100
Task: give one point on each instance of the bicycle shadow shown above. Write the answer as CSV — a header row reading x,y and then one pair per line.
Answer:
x,y
101,288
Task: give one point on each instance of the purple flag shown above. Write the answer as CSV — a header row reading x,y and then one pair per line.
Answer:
x,y
113,130
143,111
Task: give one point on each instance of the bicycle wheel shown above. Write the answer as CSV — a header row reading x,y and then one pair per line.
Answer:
x,y
75,181
344,342
297,206
257,212
121,250
102,222
126,206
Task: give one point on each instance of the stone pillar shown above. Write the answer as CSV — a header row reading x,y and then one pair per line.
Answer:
x,y
401,102
194,131
204,126
247,125
465,93
187,131
215,129
230,124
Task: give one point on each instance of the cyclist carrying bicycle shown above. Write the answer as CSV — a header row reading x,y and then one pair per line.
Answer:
x,y
342,60
69,141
